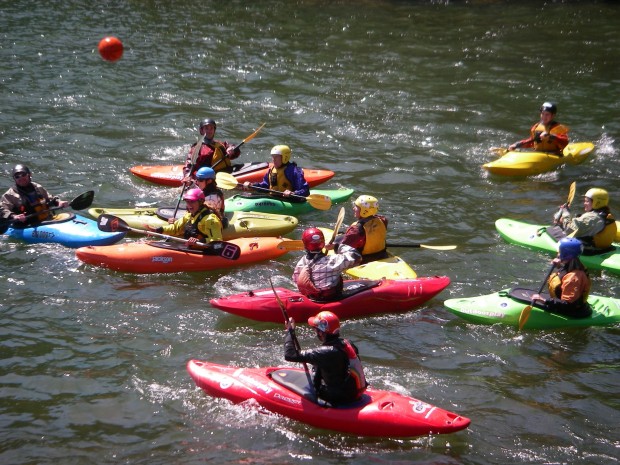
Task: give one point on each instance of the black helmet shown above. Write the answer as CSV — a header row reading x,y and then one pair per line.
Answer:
x,y
21,169
550,107
207,121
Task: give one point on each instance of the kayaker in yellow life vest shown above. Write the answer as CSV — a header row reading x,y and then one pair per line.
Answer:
x,y
338,372
596,228
547,135
368,233
199,224
213,153
570,286
284,176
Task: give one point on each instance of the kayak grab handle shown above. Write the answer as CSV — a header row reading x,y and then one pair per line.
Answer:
x,y
386,405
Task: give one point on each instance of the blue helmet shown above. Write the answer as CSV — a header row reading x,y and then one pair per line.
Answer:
x,y
570,248
205,173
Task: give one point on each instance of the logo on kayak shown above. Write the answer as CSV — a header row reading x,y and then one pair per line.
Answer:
x,y
419,406
253,245
162,259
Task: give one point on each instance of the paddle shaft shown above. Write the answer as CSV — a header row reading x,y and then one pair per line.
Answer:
x,y
247,139
525,313
191,167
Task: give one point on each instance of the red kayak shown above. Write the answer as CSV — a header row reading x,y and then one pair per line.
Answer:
x,y
285,391
171,175
362,297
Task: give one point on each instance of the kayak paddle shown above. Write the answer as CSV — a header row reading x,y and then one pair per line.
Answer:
x,y
227,250
247,139
339,221
525,313
81,202
294,337
319,201
294,245
499,151
191,167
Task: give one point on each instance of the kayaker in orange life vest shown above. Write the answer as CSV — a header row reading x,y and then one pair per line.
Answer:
x,y
26,198
213,154
596,228
547,135
570,286
368,233
199,224
338,373
284,176
319,275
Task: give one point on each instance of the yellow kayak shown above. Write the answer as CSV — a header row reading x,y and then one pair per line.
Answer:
x,y
524,163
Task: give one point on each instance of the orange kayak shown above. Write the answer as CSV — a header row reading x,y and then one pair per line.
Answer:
x,y
167,257
171,175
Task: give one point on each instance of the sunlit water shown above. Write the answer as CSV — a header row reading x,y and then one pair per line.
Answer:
x,y
402,100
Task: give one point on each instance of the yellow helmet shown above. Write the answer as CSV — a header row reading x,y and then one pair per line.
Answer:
x,y
283,150
367,204
599,197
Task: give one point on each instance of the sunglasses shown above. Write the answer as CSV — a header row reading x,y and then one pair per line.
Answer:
x,y
20,175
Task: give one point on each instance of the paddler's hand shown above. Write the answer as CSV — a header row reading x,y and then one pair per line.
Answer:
x,y
187,180
538,298
246,185
512,147
290,324
21,217
192,241
63,203
287,193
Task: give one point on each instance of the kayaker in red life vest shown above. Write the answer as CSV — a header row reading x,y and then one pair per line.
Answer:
x,y
368,233
570,286
284,176
318,275
547,135
213,153
338,373
596,228
199,224
26,198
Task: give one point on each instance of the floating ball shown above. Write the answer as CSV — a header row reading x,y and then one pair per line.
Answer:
x,y
110,48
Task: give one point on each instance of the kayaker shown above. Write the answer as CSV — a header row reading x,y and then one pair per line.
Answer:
x,y
199,224
596,228
213,153
319,275
284,176
570,286
547,135
214,197
338,373
28,198
368,233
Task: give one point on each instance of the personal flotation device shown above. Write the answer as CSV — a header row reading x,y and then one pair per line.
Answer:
x,y
191,227
278,180
555,286
604,238
356,371
376,232
554,129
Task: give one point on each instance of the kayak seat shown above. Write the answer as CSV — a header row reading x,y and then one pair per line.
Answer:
x,y
297,381
524,295
60,218
350,288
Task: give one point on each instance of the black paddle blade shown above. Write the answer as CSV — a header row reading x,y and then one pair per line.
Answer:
x,y
111,223
223,249
83,201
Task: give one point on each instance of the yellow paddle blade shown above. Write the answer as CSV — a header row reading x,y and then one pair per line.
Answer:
x,y
438,247
253,135
571,193
499,151
525,314
226,180
292,245
339,221
319,201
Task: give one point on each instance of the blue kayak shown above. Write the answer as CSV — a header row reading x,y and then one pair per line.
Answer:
x,y
68,229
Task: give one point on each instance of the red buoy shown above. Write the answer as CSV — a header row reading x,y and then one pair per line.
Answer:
x,y
110,48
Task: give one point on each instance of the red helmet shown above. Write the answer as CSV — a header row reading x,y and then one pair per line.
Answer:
x,y
313,239
327,322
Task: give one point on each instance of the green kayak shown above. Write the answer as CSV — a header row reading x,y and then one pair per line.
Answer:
x,y
267,204
534,236
502,308
240,224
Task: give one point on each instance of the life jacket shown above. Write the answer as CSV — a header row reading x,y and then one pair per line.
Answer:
x,y
215,151
554,128
376,232
278,180
356,371
306,286
191,227
555,286
33,202
604,238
